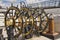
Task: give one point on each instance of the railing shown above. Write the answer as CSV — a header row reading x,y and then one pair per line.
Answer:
x,y
51,3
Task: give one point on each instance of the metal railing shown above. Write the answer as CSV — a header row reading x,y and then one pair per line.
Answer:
x,y
51,3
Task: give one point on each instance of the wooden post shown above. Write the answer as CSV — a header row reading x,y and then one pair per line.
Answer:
x,y
51,33
51,25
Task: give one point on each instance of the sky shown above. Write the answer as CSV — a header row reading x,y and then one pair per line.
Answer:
x,y
6,3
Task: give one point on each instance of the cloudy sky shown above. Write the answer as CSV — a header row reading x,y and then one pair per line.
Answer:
x,y
5,3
